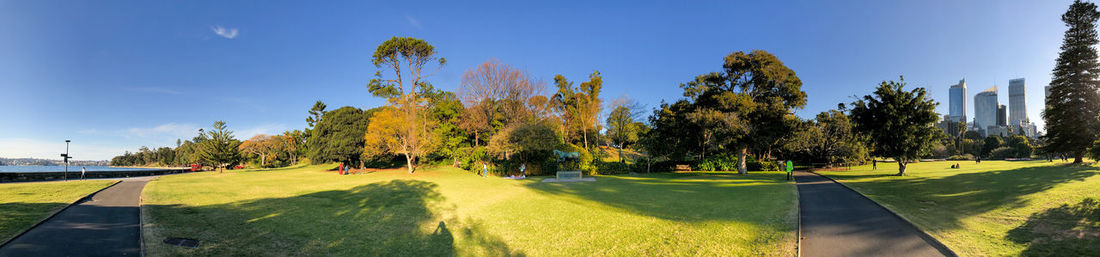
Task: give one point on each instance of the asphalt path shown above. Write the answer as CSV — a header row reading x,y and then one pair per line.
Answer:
x,y
106,224
837,221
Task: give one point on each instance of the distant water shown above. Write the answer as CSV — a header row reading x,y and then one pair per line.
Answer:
x,y
62,168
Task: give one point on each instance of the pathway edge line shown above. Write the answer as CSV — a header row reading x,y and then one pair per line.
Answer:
x,y
935,241
798,207
82,199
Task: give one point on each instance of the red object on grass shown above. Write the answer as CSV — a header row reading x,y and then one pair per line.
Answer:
x,y
341,169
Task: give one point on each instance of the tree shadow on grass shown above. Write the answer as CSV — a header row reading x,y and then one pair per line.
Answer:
x,y
947,200
394,218
756,198
1069,230
17,217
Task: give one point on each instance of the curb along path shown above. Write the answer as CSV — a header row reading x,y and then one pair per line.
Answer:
x,y
837,221
106,224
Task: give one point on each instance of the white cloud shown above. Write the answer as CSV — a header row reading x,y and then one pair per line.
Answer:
x,y
174,130
267,129
158,90
229,33
32,148
413,22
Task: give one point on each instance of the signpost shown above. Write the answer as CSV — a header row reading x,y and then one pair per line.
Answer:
x,y
65,156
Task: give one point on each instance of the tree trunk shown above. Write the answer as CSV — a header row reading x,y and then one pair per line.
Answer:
x,y
648,164
742,168
408,161
586,140
476,138
621,153
901,166
1077,157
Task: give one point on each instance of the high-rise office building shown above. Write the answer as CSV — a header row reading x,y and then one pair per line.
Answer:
x,y
1017,107
957,102
1002,120
985,108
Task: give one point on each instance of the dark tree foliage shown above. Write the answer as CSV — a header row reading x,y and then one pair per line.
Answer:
x,y
753,97
446,109
219,147
829,138
338,137
672,135
900,124
992,142
316,113
1073,103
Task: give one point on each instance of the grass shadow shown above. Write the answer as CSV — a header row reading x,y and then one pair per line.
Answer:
x,y
393,218
18,217
947,200
689,197
1068,230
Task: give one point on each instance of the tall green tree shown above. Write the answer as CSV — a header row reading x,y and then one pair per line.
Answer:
x,y
316,113
339,136
621,127
760,92
219,147
1073,104
406,57
446,110
578,107
900,124
830,138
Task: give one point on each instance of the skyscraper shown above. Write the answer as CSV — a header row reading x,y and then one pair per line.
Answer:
x,y
1017,107
957,102
985,108
1002,119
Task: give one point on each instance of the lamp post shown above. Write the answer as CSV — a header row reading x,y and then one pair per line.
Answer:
x,y
65,156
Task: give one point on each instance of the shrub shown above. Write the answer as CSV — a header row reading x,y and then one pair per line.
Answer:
x,y
754,164
718,163
964,157
614,167
1002,152
470,156
662,166
583,163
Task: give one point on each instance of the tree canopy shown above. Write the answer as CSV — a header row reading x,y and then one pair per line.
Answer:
x,y
1073,103
900,124
339,136
218,146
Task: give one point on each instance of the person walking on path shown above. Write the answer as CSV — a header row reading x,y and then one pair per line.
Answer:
x,y
82,171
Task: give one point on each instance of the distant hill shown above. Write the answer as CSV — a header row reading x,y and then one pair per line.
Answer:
x,y
46,162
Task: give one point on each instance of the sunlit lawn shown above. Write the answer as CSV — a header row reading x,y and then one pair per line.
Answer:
x,y
995,208
24,204
449,212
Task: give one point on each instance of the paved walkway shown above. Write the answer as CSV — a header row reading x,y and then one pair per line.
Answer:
x,y
837,221
105,225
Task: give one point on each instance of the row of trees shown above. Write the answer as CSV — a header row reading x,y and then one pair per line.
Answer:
x,y
216,148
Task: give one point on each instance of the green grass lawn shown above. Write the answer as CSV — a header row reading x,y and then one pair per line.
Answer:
x,y
995,208
24,204
449,212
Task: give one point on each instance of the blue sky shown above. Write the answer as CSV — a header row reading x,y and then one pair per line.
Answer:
x,y
116,75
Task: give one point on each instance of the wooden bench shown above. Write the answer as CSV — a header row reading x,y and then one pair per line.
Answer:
x,y
683,168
